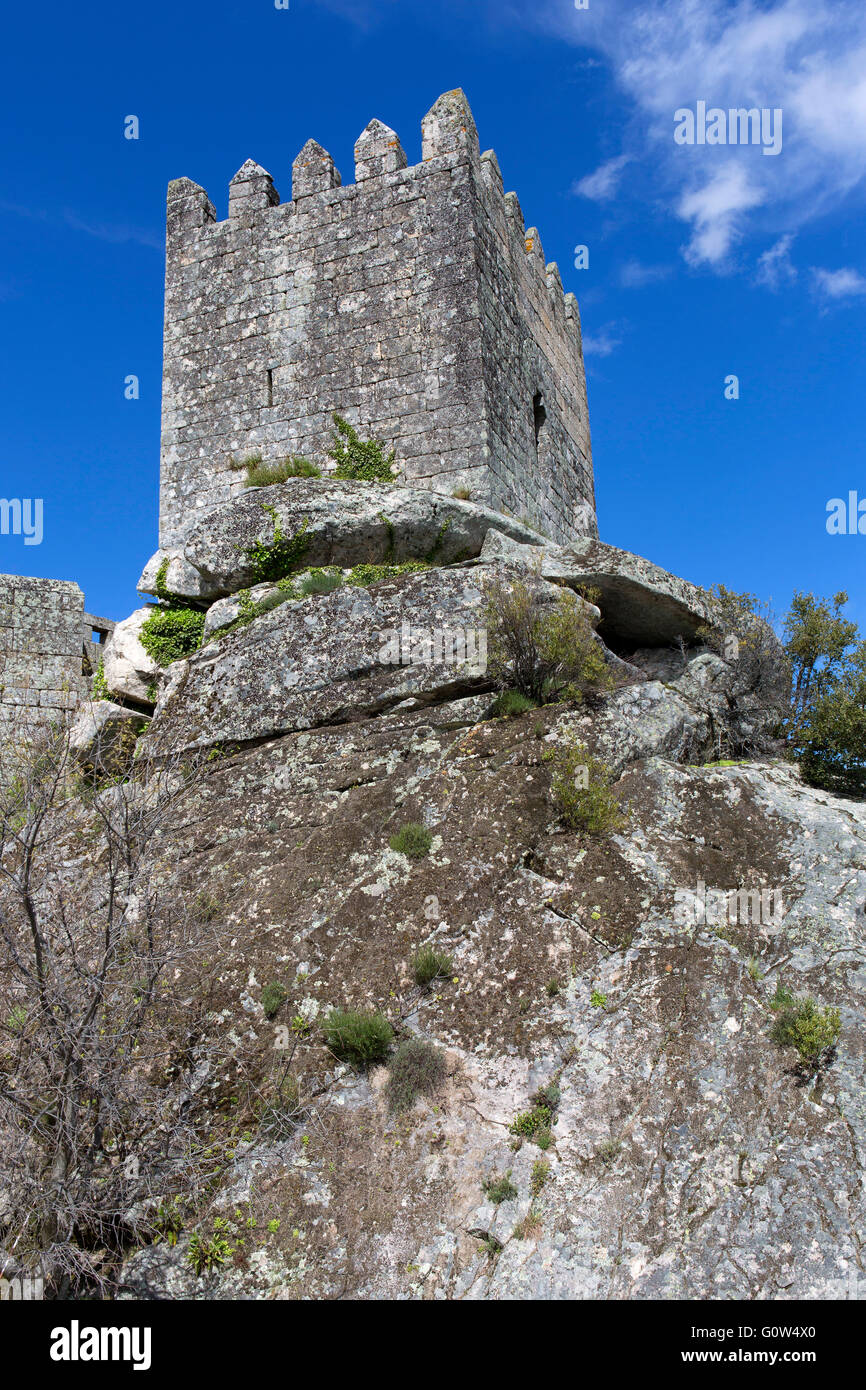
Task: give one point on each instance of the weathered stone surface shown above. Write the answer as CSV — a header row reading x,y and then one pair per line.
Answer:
x,y
414,302
688,1160
346,523
226,610
103,737
179,578
129,671
41,648
641,603
334,657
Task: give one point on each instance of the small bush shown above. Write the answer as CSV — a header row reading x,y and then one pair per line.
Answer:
x,y
170,634
530,1123
413,840
499,1189
463,494
802,1024
321,581
417,1069
428,965
582,791
547,651
358,459
598,1000
265,474
511,703
207,1253
273,997
363,575
540,1174
270,563
99,689
359,1038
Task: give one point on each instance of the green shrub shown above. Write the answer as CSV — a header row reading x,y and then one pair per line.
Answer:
x,y
207,1253
540,1174
500,1189
265,474
511,703
363,575
276,561
172,633
582,791
802,1024
356,1037
417,1068
321,581
273,997
428,965
246,463
547,651
413,840
530,1123
358,459
99,689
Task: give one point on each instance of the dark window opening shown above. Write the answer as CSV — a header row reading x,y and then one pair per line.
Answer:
x,y
539,416
270,386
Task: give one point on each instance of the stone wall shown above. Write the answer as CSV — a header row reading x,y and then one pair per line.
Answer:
x,y
41,642
411,301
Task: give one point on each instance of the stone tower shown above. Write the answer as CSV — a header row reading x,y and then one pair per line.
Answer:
x,y
413,302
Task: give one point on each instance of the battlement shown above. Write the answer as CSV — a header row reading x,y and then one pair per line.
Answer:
x,y
413,301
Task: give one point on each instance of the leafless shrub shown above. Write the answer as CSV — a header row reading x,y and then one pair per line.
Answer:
x,y
105,1040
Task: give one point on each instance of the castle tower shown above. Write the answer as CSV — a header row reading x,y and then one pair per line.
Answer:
x,y
412,301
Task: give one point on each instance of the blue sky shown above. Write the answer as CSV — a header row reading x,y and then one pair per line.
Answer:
x,y
704,261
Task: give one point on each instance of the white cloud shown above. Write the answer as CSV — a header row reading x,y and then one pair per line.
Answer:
x,y
633,275
601,344
715,211
775,266
807,57
604,181
839,284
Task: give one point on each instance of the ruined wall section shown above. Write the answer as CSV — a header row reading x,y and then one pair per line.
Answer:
x,y
41,628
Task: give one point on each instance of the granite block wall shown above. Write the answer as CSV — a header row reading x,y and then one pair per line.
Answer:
x,y
411,301
41,630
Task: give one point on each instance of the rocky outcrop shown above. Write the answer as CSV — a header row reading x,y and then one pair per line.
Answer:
x,y
642,604
342,523
690,1156
128,670
335,657
103,737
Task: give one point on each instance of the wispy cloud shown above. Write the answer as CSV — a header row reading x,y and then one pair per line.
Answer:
x,y
775,267
602,343
604,181
115,232
633,275
807,57
839,284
